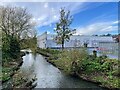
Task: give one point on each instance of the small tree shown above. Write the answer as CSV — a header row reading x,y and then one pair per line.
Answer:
x,y
63,29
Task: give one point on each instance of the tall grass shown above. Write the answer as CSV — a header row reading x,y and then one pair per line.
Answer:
x,y
68,58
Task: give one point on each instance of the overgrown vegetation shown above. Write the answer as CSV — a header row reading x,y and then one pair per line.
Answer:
x,y
10,48
96,69
48,52
14,22
29,43
69,60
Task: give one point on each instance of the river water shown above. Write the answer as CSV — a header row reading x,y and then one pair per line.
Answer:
x,y
49,76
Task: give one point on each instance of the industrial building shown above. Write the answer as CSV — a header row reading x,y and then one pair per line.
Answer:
x,y
47,41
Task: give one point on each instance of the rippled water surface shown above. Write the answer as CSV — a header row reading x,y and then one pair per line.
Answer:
x,y
49,76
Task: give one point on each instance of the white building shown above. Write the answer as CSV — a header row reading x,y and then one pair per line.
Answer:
x,y
108,47
47,41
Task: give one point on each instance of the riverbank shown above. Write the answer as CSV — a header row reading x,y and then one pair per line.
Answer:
x,y
9,68
20,80
100,70
12,77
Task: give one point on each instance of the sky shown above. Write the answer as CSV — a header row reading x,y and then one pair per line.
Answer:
x,y
89,18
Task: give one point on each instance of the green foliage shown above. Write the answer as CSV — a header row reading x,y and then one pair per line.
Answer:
x,y
5,47
63,29
14,22
99,69
102,64
110,81
69,60
14,47
10,48
30,43
48,50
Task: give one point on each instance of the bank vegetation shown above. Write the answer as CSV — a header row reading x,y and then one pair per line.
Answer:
x,y
77,62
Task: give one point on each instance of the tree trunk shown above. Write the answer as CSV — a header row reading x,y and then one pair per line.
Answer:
x,y
63,37
62,44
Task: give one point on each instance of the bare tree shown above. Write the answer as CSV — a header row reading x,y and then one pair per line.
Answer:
x,y
15,20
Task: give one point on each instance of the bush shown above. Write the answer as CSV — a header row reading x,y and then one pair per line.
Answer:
x,y
99,64
5,47
70,60
10,48
14,48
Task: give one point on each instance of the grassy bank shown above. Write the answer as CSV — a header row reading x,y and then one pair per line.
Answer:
x,y
100,69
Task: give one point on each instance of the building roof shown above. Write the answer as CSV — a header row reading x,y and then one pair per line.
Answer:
x,y
84,37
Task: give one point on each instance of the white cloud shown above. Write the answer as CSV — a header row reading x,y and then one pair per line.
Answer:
x,y
45,13
97,28
48,32
42,18
116,22
6,3
46,5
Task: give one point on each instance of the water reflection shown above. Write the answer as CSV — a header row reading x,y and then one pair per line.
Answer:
x,y
28,66
28,61
49,76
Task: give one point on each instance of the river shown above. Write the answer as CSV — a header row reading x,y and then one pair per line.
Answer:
x,y
49,76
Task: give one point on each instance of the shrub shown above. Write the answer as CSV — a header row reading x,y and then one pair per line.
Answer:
x,y
14,48
72,59
103,64
10,48
5,48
